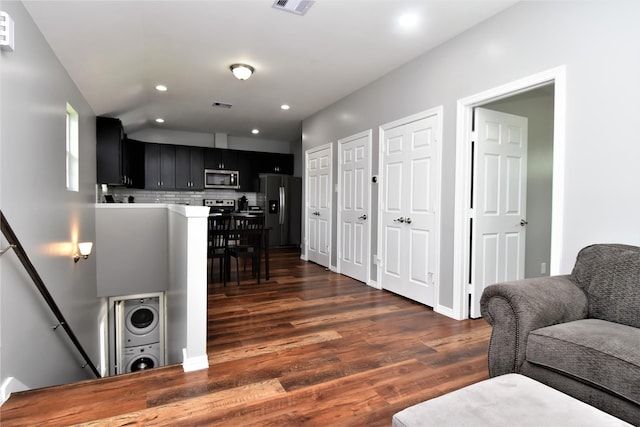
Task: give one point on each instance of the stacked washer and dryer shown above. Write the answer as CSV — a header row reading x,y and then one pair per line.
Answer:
x,y
139,332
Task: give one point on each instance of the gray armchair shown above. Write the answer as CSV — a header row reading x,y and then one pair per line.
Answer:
x,y
578,333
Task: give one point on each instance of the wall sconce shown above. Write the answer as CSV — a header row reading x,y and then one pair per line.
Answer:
x,y
84,250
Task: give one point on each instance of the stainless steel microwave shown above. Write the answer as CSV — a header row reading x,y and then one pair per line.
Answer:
x,y
214,178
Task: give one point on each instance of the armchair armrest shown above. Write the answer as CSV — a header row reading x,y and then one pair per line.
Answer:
x,y
516,308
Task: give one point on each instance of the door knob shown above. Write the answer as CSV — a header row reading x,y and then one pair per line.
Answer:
x,y
401,219
523,222
363,217
408,220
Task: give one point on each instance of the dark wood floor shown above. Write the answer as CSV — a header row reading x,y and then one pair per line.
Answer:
x,y
307,347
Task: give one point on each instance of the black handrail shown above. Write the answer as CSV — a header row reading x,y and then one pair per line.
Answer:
x,y
37,280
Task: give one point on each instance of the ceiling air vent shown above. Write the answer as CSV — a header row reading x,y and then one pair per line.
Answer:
x,y
299,7
221,105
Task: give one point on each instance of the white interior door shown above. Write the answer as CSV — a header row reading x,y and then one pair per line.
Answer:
x,y
409,206
500,200
353,205
318,206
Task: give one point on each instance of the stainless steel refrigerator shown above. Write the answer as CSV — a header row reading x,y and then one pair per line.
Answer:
x,y
282,208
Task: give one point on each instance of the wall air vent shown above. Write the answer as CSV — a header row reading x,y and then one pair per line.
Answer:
x,y
221,105
299,7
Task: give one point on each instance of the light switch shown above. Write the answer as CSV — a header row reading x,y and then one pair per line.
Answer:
x,y
6,32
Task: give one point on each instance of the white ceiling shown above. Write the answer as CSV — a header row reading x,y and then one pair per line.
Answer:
x,y
117,51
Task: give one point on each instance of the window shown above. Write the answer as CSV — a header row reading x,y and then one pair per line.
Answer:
x,y
73,159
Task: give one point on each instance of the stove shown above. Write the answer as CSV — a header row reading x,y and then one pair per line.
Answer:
x,y
220,205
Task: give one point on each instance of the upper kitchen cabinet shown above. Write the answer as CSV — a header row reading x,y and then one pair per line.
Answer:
x,y
189,168
220,158
160,167
133,162
118,162
275,163
109,136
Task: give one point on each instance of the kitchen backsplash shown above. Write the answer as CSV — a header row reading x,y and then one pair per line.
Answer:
x,y
121,195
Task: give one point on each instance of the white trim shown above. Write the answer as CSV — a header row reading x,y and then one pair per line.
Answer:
x,y
328,146
556,76
10,385
196,363
439,113
369,135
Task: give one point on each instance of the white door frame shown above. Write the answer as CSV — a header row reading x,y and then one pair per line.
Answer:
x,y
369,135
328,146
463,214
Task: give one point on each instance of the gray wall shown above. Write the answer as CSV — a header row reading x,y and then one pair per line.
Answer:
x,y
133,250
598,43
45,216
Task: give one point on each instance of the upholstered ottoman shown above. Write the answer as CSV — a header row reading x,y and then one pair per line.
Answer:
x,y
507,400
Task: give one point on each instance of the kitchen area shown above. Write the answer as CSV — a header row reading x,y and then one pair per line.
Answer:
x,y
154,202
224,179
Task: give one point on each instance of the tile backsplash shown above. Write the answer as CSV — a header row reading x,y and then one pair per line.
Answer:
x,y
121,194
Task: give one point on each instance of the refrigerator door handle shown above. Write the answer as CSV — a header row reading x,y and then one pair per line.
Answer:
x,y
283,205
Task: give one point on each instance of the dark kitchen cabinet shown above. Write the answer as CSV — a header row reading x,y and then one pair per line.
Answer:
x,y
119,161
109,151
133,162
276,163
160,167
247,170
221,158
189,168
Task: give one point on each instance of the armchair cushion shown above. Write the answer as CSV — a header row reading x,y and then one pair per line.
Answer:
x,y
516,308
610,276
596,352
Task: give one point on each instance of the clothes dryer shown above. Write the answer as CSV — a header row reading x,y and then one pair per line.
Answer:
x,y
142,321
142,357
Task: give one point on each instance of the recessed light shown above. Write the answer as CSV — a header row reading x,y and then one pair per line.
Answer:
x,y
285,107
161,88
255,131
159,120
408,20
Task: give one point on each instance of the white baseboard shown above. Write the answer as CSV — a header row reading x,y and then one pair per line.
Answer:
x,y
190,364
10,385
374,284
446,311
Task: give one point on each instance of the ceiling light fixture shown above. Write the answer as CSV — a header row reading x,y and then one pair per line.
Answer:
x,y
255,131
284,107
159,120
242,71
408,20
161,88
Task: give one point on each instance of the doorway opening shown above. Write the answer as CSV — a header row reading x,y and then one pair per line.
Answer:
x,y
466,291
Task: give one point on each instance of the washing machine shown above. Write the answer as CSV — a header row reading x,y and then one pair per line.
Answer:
x,y
141,357
142,321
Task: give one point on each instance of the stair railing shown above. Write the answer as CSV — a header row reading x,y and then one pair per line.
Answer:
x,y
15,244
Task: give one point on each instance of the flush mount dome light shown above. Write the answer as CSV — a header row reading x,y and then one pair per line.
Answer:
x,y
242,71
